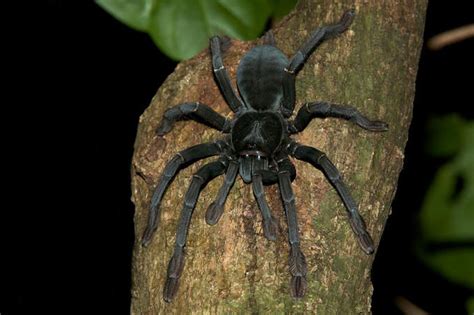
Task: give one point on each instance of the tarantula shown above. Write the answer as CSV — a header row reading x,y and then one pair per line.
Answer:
x,y
257,146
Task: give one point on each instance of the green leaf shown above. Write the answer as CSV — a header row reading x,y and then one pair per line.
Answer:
x,y
470,305
447,214
134,13
446,135
454,264
181,28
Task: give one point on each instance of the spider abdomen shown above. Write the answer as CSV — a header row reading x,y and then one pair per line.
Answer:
x,y
260,77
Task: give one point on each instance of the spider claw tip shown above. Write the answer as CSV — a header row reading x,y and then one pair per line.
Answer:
x,y
369,250
145,240
298,286
163,129
367,244
351,11
213,213
270,229
171,287
270,237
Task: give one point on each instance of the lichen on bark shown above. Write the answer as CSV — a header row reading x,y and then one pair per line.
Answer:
x,y
231,267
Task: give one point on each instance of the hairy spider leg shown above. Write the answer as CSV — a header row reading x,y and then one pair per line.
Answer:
x,y
176,264
216,208
222,77
297,260
183,158
199,112
323,110
297,61
270,225
262,177
319,160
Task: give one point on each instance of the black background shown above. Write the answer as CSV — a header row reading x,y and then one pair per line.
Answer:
x,y
84,82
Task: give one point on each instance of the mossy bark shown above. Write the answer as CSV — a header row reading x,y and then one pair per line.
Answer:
x,y
231,267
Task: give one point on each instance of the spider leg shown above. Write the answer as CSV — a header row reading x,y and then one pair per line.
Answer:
x,y
296,62
297,261
270,177
322,110
176,264
181,159
317,37
270,225
196,111
214,212
319,160
222,76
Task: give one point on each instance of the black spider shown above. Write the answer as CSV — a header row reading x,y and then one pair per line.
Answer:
x,y
258,146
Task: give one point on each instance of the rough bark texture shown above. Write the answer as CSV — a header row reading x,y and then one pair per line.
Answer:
x,y
231,267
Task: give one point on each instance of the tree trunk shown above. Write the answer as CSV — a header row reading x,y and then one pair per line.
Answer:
x,y
231,267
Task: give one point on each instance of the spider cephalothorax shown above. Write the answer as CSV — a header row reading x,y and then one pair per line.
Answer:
x,y
257,146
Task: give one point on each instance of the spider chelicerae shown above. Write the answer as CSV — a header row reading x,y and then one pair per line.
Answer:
x,y
257,146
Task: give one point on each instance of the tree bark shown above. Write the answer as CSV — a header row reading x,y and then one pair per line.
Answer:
x,y
231,267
